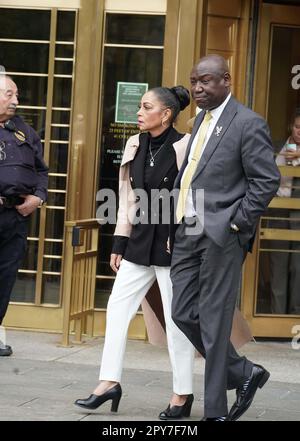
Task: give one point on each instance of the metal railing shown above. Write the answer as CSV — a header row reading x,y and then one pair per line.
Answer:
x,y
79,278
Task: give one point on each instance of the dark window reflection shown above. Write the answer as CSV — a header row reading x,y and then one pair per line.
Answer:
x,y
104,248
60,133
34,224
56,199
129,65
52,265
35,118
65,25
32,90
24,57
102,293
60,117
57,182
24,288
64,50
30,260
63,67
135,29
53,248
51,286
62,92
58,160
24,24
55,224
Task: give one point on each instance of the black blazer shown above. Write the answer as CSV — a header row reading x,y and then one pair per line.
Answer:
x,y
147,244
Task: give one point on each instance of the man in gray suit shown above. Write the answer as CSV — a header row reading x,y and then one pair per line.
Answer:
x,y
230,161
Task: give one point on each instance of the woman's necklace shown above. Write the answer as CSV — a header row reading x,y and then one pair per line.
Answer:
x,y
152,162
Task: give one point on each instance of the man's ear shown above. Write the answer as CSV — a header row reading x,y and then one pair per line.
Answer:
x,y
227,79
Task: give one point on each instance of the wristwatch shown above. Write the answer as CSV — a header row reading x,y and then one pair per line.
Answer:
x,y
41,203
234,227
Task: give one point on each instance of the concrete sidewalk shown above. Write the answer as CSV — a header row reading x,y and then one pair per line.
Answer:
x,y
41,380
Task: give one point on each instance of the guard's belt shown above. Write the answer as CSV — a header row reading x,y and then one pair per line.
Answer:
x,y
11,201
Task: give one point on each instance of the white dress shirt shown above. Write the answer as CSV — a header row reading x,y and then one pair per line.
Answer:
x,y
215,113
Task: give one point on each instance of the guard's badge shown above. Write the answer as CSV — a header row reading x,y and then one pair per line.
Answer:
x,y
20,135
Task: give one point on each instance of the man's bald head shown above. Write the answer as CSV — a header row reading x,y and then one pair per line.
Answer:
x,y
210,81
3,79
8,97
215,63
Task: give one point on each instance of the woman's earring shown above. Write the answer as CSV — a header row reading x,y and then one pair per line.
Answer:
x,y
163,123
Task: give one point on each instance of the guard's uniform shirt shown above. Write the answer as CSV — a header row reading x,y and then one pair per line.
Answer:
x,y
22,171
22,167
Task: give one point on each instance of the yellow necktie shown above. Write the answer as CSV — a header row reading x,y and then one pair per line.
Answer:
x,y
191,167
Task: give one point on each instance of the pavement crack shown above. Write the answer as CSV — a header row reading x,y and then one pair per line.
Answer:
x,y
84,417
152,383
68,355
285,394
261,414
68,385
27,402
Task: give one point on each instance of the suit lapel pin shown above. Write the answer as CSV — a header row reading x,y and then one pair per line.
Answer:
x,y
218,130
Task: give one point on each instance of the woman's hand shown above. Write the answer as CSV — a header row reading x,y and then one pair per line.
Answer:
x,y
115,260
291,154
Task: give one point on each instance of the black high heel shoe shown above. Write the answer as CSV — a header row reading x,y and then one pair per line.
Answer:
x,y
177,412
94,401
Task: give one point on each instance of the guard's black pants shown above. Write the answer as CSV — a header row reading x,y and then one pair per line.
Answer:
x,y
13,240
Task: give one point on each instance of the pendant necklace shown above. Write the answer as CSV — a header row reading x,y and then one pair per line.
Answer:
x,y
152,163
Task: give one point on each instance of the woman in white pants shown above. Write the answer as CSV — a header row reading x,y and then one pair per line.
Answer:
x,y
140,253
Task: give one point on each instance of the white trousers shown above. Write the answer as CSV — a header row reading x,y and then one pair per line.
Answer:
x,y
131,286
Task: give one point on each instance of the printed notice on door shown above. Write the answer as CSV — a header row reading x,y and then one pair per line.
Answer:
x,y
128,98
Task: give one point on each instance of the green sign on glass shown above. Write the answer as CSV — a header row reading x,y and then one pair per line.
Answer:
x,y
128,98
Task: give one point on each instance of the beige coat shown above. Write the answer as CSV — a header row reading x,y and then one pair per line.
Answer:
x,y
126,199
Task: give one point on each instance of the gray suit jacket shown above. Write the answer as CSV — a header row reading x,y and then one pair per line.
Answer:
x,y
237,172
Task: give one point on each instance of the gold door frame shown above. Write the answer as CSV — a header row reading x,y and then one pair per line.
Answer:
x,y
266,325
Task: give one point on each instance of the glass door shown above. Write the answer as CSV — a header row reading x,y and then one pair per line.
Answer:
x,y
37,48
271,298
133,59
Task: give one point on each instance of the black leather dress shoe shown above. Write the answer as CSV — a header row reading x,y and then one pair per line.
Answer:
x,y
245,394
94,401
6,352
223,418
177,412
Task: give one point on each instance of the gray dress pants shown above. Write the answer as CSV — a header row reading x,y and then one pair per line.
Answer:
x,y
205,281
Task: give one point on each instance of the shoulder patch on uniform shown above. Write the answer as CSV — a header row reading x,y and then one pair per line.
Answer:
x,y
20,135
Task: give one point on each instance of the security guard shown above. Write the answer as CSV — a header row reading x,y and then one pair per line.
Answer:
x,y
23,188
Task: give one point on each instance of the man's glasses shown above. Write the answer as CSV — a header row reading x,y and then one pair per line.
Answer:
x,y
2,152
